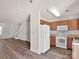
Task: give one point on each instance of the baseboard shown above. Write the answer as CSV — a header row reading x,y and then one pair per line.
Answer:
x,y
9,38
28,42
18,38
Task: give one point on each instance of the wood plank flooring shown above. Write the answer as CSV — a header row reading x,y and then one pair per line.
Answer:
x,y
17,49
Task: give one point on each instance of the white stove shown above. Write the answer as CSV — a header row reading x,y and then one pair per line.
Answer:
x,y
61,38
61,42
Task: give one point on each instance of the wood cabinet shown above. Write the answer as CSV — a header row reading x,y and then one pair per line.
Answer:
x,y
69,42
73,24
78,24
53,26
62,23
52,41
43,22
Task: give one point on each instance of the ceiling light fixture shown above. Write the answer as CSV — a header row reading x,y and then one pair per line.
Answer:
x,y
54,11
30,1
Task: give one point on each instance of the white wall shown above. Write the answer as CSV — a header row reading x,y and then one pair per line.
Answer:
x,y
24,30
12,12
35,31
7,30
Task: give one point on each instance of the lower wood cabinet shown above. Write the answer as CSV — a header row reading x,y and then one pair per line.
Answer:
x,y
52,41
69,42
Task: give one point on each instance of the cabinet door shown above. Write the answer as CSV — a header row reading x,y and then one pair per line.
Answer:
x,y
62,22
43,22
78,24
69,42
52,40
53,26
73,24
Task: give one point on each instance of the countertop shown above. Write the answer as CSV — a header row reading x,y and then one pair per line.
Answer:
x,y
77,36
75,42
74,36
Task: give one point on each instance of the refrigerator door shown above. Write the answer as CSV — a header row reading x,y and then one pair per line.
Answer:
x,y
45,38
42,38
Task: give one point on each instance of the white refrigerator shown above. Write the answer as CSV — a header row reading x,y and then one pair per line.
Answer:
x,y
44,38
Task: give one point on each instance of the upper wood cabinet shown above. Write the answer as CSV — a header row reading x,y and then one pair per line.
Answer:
x,y
43,22
69,42
73,24
53,26
62,23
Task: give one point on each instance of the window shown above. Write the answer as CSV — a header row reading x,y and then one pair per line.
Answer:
x,y
0,30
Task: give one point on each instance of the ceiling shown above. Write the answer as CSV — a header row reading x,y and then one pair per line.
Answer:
x,y
67,9
12,11
72,11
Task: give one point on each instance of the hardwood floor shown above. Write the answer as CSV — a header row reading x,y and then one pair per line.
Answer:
x,y
17,49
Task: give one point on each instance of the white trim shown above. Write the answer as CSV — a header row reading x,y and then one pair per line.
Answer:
x,y
43,19
60,19
21,39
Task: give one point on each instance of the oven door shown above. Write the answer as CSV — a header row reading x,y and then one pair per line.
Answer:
x,y
61,42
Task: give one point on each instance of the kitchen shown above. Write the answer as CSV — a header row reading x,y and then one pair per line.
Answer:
x,y
67,32
39,29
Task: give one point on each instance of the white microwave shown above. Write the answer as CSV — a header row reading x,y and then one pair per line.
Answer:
x,y
62,27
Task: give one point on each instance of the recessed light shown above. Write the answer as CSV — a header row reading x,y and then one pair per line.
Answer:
x,y
67,10
30,1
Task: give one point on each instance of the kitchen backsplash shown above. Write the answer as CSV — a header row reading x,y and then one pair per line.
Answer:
x,y
72,32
